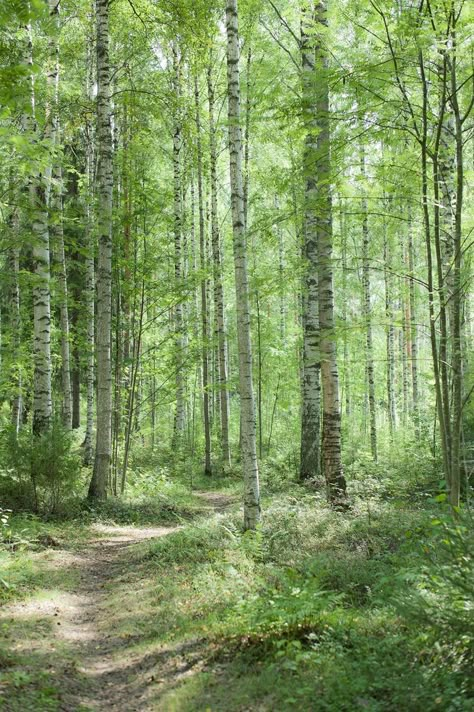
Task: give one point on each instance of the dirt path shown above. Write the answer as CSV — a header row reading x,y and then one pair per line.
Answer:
x,y
86,659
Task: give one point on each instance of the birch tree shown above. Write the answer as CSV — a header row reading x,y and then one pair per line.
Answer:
x,y
39,184
367,312
331,426
217,263
90,271
100,477
311,385
180,411
56,217
204,287
247,401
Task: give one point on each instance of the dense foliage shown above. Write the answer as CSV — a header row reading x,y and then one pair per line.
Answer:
x,y
236,254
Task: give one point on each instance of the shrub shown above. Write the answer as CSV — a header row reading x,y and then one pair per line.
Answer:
x,y
38,472
294,608
441,602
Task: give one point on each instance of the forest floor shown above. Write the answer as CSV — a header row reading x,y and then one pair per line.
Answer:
x,y
66,635
319,611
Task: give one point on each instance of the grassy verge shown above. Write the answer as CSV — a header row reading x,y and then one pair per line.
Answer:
x,y
360,611
319,610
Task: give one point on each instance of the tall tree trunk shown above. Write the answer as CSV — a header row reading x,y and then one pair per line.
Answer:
x,y
281,274
430,276
133,396
259,373
367,311
180,412
119,383
404,335
247,402
56,222
413,329
311,385
17,377
204,310
100,477
390,333
218,282
76,370
458,290
39,185
246,146
331,441
64,321
345,297
90,285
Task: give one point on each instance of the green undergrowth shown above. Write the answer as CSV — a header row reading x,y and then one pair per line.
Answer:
x,y
161,508
27,539
27,547
368,610
371,609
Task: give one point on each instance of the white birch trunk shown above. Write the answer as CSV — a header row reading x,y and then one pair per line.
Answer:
x,y
413,328
331,440
390,333
345,321
367,311
311,383
60,259
100,477
219,314
203,266
90,278
180,412
55,192
17,395
247,402
42,397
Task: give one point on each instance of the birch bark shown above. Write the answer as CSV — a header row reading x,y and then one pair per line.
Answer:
x,y
311,371
413,328
17,376
180,412
247,402
331,429
100,477
56,220
219,314
203,266
390,333
367,311
90,280
42,397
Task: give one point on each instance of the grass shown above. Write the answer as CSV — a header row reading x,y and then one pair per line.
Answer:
x,y
317,611
315,600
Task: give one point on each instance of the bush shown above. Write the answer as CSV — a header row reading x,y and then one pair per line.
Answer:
x,y
294,608
38,472
441,601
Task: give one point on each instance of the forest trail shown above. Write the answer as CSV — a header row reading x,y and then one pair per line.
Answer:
x,y
69,634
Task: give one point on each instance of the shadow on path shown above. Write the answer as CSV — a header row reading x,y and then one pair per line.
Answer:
x,y
66,637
